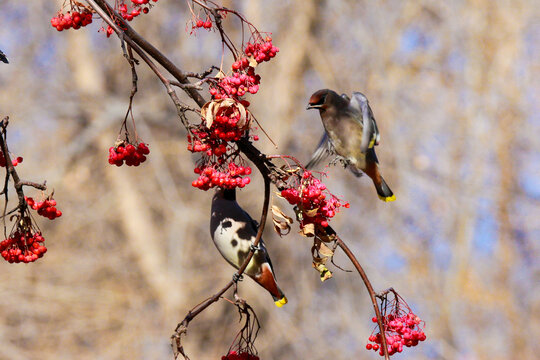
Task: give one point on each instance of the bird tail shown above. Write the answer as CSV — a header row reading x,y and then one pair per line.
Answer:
x,y
384,192
281,299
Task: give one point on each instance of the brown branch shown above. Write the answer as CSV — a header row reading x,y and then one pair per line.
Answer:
x,y
146,46
369,288
269,171
17,182
181,328
180,108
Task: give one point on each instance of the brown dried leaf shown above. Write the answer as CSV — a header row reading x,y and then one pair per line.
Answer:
x,y
311,213
308,230
282,227
278,194
276,211
325,250
252,62
325,237
324,273
207,113
220,75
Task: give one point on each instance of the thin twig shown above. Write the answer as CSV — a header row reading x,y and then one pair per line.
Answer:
x,y
181,328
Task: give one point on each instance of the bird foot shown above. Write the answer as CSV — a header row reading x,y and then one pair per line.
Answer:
x,y
236,278
254,248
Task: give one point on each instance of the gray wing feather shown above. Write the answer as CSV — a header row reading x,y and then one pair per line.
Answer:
x,y
324,149
370,131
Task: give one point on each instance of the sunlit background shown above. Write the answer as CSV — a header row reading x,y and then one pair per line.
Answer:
x,y
454,86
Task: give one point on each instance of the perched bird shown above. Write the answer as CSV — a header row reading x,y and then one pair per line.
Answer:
x,y
351,133
234,232
3,57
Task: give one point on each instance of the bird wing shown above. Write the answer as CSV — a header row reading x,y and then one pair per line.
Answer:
x,y
254,225
324,149
370,133
3,57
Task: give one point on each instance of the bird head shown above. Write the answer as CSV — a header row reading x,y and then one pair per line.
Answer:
x,y
319,100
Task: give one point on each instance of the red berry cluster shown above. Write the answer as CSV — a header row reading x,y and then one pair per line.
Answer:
x,y
244,355
23,246
244,79
237,84
217,166
138,7
131,154
210,177
316,204
44,208
401,328
261,51
128,14
202,24
15,161
74,20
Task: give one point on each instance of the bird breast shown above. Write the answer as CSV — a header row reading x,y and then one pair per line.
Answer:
x,y
233,247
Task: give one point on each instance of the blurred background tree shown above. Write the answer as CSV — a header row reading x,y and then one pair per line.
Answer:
x,y
454,87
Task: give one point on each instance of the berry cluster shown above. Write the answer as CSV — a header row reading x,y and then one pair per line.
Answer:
x,y
244,355
244,79
197,24
131,154
315,203
401,328
138,7
129,13
74,20
210,177
44,208
261,50
224,121
23,246
15,161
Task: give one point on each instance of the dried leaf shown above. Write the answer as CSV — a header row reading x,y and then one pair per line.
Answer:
x,y
220,75
243,115
325,250
252,62
325,237
276,211
324,273
311,213
207,113
278,194
308,230
282,227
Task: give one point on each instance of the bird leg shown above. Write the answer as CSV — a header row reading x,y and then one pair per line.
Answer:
x,y
236,278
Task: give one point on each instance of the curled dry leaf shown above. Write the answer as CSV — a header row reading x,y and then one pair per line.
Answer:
x,y
311,213
252,62
210,110
321,253
324,273
325,250
220,75
308,230
281,221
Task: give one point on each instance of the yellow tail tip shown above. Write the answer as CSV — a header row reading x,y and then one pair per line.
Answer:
x,y
388,198
281,302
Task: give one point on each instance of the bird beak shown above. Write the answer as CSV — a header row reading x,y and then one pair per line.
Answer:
x,y
313,107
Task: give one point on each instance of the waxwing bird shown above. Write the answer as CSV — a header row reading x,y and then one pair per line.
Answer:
x,y
234,232
3,57
351,134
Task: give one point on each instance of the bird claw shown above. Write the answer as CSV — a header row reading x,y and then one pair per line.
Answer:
x,y
236,278
254,248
